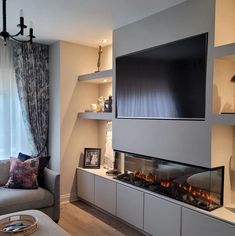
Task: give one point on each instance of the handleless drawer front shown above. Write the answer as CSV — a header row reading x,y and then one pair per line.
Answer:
x,y
197,224
105,194
85,185
161,217
130,203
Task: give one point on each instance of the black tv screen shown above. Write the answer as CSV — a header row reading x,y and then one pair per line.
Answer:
x,y
163,82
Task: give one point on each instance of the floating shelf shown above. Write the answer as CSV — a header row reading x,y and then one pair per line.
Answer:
x,y
95,115
224,119
97,77
223,51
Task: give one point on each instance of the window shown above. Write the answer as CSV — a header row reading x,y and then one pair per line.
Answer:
x,y
13,135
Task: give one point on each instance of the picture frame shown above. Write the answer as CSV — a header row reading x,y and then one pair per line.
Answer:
x,y
92,158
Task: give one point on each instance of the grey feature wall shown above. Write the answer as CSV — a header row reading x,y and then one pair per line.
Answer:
x,y
177,140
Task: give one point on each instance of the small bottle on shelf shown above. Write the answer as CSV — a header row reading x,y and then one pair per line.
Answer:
x,y
108,105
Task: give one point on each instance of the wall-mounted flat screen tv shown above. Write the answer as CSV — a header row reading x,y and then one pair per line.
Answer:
x,y
163,82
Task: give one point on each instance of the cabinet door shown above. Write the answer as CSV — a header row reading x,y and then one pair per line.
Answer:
x,y
130,205
195,224
161,218
105,194
85,185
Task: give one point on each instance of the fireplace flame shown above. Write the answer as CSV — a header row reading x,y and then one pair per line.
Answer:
x,y
150,178
166,184
191,190
187,188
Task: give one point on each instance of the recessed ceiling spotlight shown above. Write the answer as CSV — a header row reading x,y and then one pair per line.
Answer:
x,y
104,41
105,80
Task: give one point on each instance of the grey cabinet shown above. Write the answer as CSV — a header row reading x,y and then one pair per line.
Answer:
x,y
105,194
161,218
195,223
154,215
85,185
130,205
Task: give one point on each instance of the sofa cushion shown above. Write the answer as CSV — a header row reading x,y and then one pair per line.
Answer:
x,y
4,171
43,163
12,200
23,157
23,174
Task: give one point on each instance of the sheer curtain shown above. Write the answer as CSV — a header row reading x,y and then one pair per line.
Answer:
x,y
13,134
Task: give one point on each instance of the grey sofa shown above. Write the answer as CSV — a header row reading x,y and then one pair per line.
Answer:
x,y
45,199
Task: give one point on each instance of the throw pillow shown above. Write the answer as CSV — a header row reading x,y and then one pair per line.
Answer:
x,y
4,171
43,162
23,157
23,175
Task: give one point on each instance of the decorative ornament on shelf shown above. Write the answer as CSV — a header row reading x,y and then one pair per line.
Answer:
x,y
100,104
109,154
97,107
99,59
6,36
93,107
232,79
108,104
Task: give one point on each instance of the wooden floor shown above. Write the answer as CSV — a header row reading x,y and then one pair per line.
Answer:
x,y
80,219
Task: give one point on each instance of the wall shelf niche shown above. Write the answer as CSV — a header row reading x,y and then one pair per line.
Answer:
x,y
223,108
224,22
102,82
223,88
223,154
96,84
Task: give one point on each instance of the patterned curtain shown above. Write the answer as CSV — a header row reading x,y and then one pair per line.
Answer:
x,y
31,64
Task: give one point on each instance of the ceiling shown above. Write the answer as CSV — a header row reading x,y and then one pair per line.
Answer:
x,y
80,21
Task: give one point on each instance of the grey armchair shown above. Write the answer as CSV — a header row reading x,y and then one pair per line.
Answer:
x,y
46,199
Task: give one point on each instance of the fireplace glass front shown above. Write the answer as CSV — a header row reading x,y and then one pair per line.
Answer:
x,y
198,186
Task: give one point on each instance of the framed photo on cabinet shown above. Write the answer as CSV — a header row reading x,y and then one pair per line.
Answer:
x,y
92,158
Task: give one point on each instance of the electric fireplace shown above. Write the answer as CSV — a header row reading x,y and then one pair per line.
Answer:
x,y
198,186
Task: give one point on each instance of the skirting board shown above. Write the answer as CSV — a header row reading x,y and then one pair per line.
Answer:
x,y
70,197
